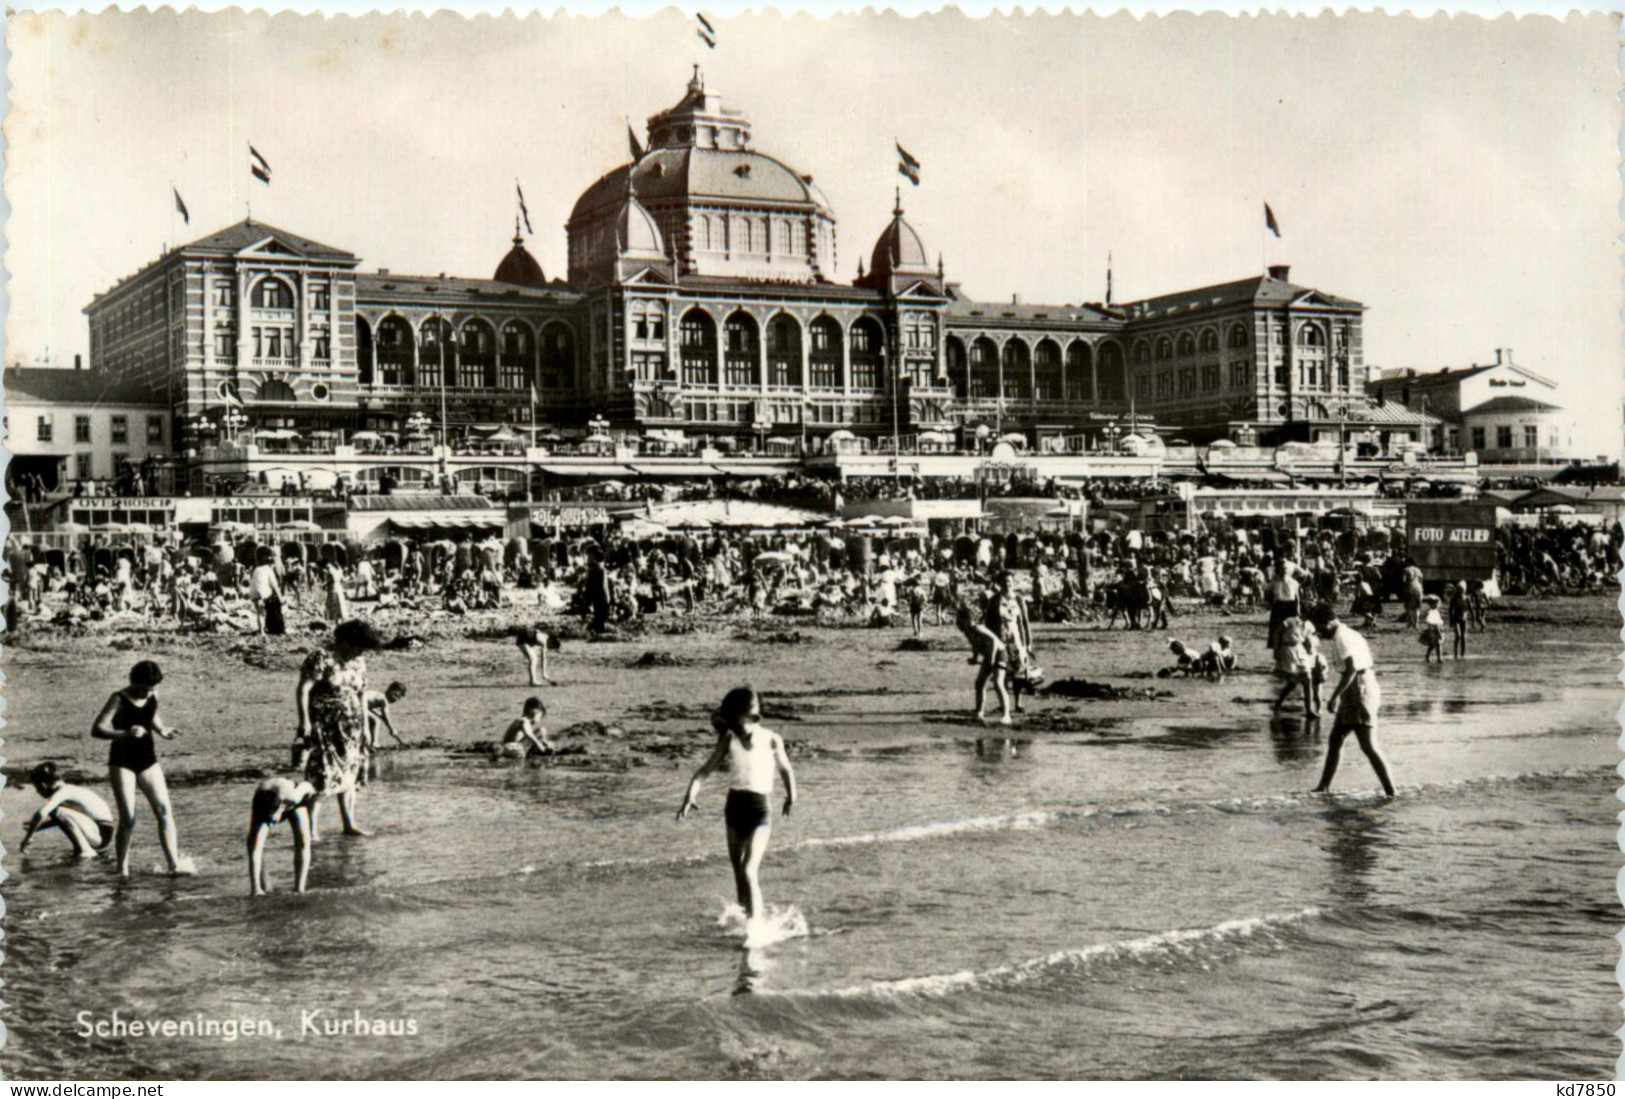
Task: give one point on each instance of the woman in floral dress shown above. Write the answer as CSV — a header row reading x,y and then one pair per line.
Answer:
x,y
333,720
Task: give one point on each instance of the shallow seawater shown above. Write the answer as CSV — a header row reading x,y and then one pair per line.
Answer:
x,y
1153,898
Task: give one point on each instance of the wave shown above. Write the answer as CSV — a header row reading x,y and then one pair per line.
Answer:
x,y
1164,945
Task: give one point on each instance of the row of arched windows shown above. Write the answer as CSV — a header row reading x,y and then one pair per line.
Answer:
x,y
747,235
741,359
475,355
1082,373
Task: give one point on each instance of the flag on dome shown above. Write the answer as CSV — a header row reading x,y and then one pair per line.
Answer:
x,y
180,205
707,33
259,166
524,211
1269,220
907,165
633,143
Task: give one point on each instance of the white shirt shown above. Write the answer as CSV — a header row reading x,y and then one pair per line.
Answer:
x,y
262,582
1344,645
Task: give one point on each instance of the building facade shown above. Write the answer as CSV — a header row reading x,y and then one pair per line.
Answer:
x,y
67,426
700,302
1503,412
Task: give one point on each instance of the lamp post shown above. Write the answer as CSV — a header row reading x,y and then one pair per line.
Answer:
x,y
234,420
442,330
1342,444
886,365
598,426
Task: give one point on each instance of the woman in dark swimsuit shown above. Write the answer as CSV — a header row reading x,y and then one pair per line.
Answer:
x,y
130,720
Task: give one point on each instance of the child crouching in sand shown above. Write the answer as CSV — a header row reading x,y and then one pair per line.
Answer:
x,y
525,734
277,800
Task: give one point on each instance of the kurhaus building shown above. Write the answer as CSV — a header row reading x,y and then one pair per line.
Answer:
x,y
700,300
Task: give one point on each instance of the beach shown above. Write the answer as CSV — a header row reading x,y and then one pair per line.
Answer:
x,y
1130,887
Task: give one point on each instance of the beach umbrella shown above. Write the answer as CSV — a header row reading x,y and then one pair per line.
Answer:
x,y
110,528
366,437
70,527
841,436
835,524
303,526
1014,438
1222,444
897,521
139,528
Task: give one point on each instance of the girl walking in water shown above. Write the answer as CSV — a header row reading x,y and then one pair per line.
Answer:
x,y
130,720
751,754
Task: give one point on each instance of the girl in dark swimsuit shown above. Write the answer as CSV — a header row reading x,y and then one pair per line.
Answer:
x,y
130,720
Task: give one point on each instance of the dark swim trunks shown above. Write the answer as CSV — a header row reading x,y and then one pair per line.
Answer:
x,y
745,811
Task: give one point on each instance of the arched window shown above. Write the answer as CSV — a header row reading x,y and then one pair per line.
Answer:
x,y
1142,352
984,368
784,352
476,358
1080,372
1165,349
743,243
698,337
785,246
1017,370
867,341
393,344
824,353
1210,340
558,356
1187,345
518,351
436,347
1109,379
741,350
272,294
277,390
1310,335
1047,370
1238,336
702,233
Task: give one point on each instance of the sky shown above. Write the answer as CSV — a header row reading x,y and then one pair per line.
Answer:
x,y
1458,176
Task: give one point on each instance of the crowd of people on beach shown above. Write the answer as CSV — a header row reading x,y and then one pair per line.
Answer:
x,y
992,587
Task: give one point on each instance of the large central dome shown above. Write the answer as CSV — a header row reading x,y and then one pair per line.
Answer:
x,y
723,208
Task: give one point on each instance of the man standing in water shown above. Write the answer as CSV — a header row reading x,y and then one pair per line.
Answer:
x,y
1355,699
751,754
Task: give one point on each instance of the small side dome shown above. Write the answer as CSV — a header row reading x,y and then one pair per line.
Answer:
x,y
519,267
636,232
899,251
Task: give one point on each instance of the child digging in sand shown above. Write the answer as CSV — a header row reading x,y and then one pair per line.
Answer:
x,y
525,734
80,814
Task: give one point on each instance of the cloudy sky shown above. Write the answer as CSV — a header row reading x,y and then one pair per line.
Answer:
x,y
1458,176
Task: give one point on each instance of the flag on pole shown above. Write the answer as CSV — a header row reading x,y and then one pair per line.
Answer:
x,y
259,166
633,143
907,165
707,33
1269,221
180,205
523,211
